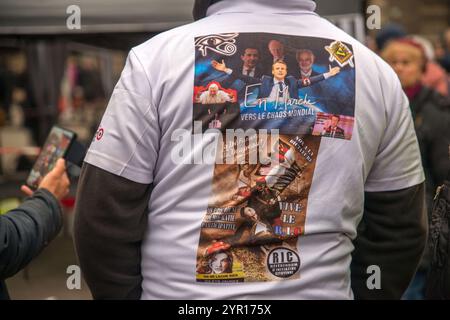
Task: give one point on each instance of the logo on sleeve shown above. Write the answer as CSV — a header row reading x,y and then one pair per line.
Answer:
x,y
99,133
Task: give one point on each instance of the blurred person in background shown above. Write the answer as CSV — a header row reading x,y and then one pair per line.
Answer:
x,y
89,79
388,33
431,114
443,50
434,76
26,230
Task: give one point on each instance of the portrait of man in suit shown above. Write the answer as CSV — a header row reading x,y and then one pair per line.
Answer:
x,y
278,87
332,130
250,58
305,59
278,51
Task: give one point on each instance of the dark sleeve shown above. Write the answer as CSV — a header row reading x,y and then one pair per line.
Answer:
x,y
110,221
392,235
25,231
438,143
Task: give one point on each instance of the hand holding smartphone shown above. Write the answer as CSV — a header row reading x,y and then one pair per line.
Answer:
x,y
56,146
56,182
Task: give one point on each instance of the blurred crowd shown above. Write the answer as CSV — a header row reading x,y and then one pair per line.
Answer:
x,y
423,68
82,100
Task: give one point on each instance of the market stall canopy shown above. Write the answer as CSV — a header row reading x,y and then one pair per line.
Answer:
x,y
27,17
49,17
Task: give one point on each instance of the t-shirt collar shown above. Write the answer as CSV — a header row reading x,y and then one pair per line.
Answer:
x,y
262,6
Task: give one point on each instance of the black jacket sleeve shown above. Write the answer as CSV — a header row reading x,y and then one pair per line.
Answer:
x,y
110,221
392,235
25,231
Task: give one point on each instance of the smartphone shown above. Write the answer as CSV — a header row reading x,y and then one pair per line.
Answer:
x,y
56,146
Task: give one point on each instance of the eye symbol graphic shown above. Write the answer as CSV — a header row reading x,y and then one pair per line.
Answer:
x,y
223,44
212,42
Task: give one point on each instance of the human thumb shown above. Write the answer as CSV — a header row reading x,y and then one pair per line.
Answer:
x,y
60,168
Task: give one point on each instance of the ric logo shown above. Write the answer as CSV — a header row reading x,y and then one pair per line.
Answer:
x,y
283,262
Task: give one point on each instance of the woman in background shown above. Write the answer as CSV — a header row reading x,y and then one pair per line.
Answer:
x,y
431,114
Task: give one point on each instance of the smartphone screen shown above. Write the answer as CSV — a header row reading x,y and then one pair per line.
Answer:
x,y
55,147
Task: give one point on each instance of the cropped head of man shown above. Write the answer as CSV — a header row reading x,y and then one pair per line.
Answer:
x,y
249,213
334,121
305,59
279,70
213,89
276,49
250,57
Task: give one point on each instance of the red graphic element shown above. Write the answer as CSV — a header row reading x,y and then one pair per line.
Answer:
x,y
68,202
217,246
198,90
99,134
306,82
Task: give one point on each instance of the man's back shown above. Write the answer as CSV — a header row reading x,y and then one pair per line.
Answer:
x,y
308,201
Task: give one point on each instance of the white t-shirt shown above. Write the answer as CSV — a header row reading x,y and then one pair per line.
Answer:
x,y
192,207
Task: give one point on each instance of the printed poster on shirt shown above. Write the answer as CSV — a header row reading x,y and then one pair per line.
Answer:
x,y
263,80
256,213
302,88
